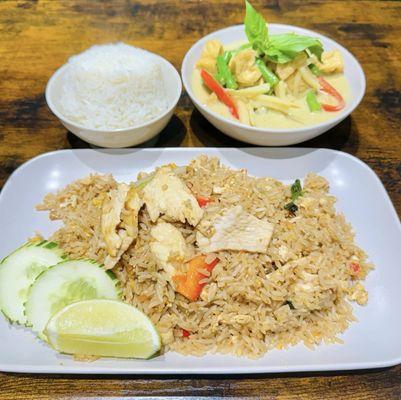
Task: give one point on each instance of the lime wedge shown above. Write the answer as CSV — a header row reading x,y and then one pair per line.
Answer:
x,y
105,328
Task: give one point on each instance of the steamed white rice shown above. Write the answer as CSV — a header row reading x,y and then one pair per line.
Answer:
x,y
113,86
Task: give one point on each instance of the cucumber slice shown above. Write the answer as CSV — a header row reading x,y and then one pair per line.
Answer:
x,y
66,283
19,270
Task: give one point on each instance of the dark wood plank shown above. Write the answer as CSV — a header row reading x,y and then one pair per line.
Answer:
x,y
37,36
367,385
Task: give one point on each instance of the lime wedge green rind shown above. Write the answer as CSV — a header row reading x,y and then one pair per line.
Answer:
x,y
105,328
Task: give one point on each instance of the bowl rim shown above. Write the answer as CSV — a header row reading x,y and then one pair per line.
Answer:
x,y
355,101
63,118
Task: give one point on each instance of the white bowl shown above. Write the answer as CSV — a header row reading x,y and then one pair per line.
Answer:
x,y
268,136
119,137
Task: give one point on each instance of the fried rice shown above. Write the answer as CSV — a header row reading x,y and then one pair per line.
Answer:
x,y
299,291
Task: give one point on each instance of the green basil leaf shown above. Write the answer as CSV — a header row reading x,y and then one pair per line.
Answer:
x,y
285,47
276,56
255,28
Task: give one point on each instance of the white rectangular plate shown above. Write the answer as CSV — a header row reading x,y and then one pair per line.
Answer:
x,y
373,341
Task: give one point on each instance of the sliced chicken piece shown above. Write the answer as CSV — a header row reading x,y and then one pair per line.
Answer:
x,y
212,100
129,214
112,207
297,85
119,221
235,229
309,78
207,60
167,194
243,112
285,70
243,67
169,247
332,61
281,90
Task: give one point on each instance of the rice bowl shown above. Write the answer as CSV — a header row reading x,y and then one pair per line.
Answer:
x,y
123,137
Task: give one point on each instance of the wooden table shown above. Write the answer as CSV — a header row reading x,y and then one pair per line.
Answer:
x,y
38,36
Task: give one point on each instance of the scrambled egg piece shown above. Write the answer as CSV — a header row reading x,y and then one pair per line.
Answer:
x,y
166,194
168,247
358,293
235,229
243,67
207,60
306,293
119,221
332,61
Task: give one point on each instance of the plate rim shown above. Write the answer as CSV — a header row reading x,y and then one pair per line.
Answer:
x,y
124,151
234,370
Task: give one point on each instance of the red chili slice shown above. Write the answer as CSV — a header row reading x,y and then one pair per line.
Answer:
x,y
185,333
221,94
330,90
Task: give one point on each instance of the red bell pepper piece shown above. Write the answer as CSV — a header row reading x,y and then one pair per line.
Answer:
x,y
185,333
221,94
356,268
327,88
203,201
189,284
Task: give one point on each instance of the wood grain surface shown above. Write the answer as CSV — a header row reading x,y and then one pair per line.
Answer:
x,y
36,37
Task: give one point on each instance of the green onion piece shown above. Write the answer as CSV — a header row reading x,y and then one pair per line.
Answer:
x,y
315,70
291,207
269,76
144,181
224,74
312,102
296,189
219,76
